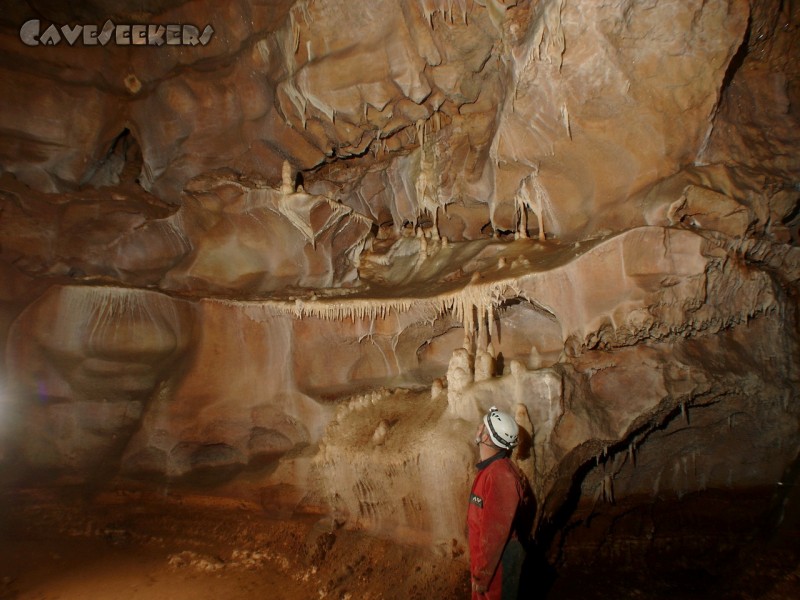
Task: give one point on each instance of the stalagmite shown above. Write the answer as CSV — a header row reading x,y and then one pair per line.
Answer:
x,y
535,360
295,27
379,436
459,378
484,365
287,184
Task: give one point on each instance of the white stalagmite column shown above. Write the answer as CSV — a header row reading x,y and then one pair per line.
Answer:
x,y
459,378
522,230
535,360
484,365
287,185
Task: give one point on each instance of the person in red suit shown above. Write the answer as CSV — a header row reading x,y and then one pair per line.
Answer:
x,y
496,554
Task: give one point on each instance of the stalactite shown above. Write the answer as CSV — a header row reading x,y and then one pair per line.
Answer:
x,y
305,12
483,336
541,196
472,305
495,322
298,100
469,326
447,8
565,119
427,185
295,27
608,489
530,186
437,121
521,200
263,51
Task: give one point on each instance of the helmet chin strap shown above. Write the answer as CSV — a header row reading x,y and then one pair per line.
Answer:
x,y
479,440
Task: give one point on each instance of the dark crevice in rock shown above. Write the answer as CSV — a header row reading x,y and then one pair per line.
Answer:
x,y
121,164
737,61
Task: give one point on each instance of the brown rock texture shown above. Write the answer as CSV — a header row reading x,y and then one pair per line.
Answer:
x,y
298,261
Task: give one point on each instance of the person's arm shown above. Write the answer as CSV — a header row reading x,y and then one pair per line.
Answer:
x,y
500,500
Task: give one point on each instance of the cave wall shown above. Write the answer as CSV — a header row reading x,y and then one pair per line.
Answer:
x,y
299,261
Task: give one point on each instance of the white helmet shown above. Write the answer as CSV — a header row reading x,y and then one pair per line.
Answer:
x,y
502,428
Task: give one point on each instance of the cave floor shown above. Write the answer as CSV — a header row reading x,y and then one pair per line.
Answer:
x,y
59,543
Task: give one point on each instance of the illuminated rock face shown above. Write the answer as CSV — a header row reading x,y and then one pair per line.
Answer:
x,y
85,363
303,259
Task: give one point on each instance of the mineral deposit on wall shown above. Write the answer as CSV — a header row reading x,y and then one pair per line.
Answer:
x,y
320,245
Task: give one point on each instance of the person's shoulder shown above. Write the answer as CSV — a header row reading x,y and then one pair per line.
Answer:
x,y
505,466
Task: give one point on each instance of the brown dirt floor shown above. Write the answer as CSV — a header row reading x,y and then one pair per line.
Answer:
x,y
58,544
54,544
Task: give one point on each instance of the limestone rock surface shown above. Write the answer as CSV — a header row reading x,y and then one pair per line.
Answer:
x,y
297,263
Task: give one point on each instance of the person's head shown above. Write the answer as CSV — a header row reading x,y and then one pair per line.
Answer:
x,y
498,431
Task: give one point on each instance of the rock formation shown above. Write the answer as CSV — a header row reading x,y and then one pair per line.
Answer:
x,y
315,249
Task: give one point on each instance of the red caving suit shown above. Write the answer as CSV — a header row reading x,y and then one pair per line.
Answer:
x,y
496,494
